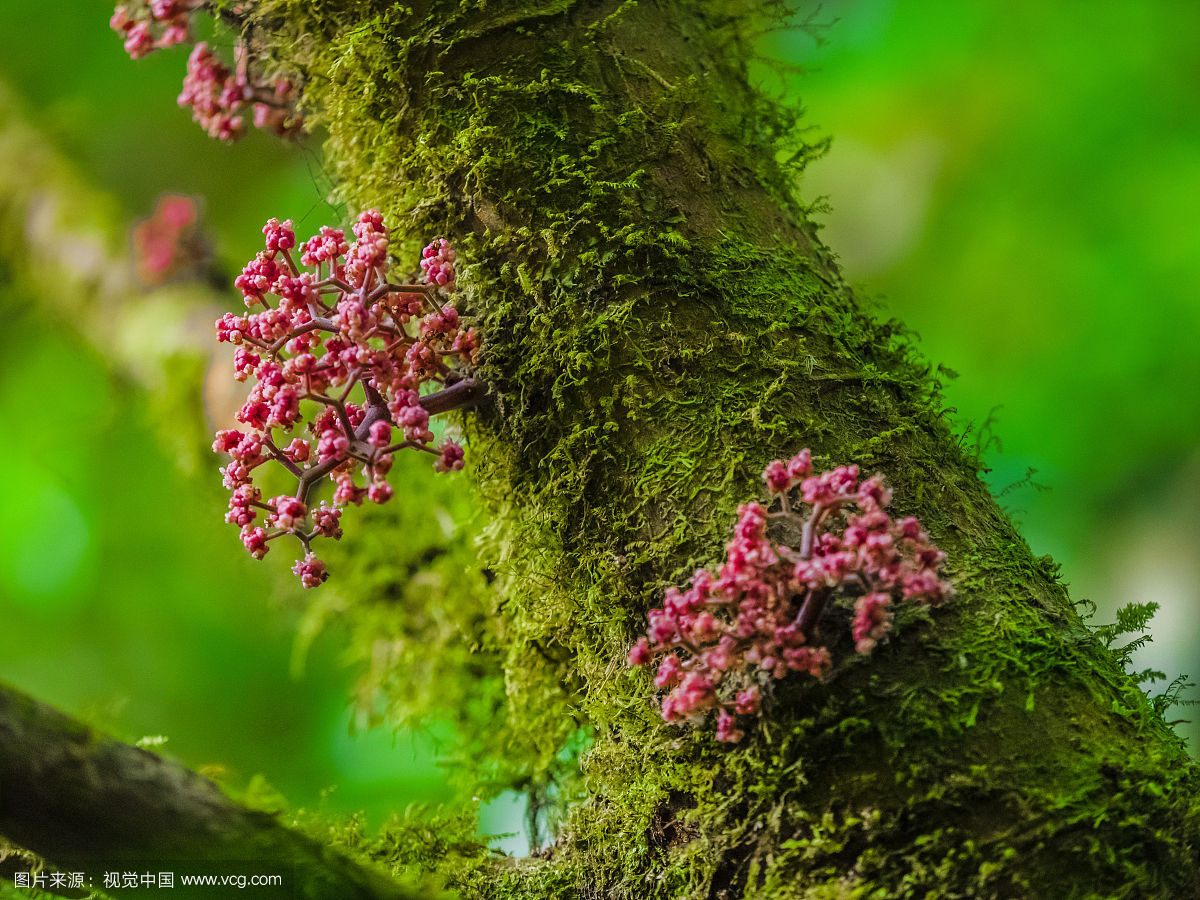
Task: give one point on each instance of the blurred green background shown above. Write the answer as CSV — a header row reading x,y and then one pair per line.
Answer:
x,y
1017,181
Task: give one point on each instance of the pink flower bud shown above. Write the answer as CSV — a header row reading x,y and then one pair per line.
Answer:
x,y
138,41
326,521
255,541
639,653
379,492
279,236
289,512
310,571
226,440
776,476
380,433
332,445
726,728
450,458
668,672
298,450
748,701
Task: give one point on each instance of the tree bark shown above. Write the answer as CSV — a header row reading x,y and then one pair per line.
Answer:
x,y
88,803
661,320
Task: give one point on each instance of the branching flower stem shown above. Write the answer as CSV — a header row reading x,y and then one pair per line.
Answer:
x,y
357,358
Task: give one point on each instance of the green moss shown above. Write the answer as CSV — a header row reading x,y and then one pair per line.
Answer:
x,y
660,321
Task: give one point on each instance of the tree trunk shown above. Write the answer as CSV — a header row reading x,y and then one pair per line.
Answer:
x,y
661,320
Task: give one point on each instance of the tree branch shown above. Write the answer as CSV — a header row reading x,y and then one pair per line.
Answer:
x,y
85,801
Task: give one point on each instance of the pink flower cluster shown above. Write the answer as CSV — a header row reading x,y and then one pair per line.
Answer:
x,y
151,26
217,95
337,347
437,261
720,642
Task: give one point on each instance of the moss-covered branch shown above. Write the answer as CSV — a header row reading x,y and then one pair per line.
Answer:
x,y
64,244
67,242
81,800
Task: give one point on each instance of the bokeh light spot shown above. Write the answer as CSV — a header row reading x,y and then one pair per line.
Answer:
x,y
44,543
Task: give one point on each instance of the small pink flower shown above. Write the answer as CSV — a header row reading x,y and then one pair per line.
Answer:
x,y
380,433
727,730
925,586
414,420
816,661
874,493
776,477
348,492
466,344
244,363
234,476
231,328
310,571
695,694
172,35
326,246
255,541
669,672
226,440
422,358
138,42
165,9
254,413
639,653
326,521
298,450
279,235
443,322
379,492
120,20
332,445
800,466
242,509
437,262
872,620
289,512
450,458
748,701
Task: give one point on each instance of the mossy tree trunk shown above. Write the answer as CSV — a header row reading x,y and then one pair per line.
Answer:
x,y
660,321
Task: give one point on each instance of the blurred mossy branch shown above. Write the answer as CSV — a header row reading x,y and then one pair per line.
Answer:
x,y
65,244
84,801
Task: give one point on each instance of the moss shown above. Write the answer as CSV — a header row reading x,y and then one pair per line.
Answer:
x,y
660,321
